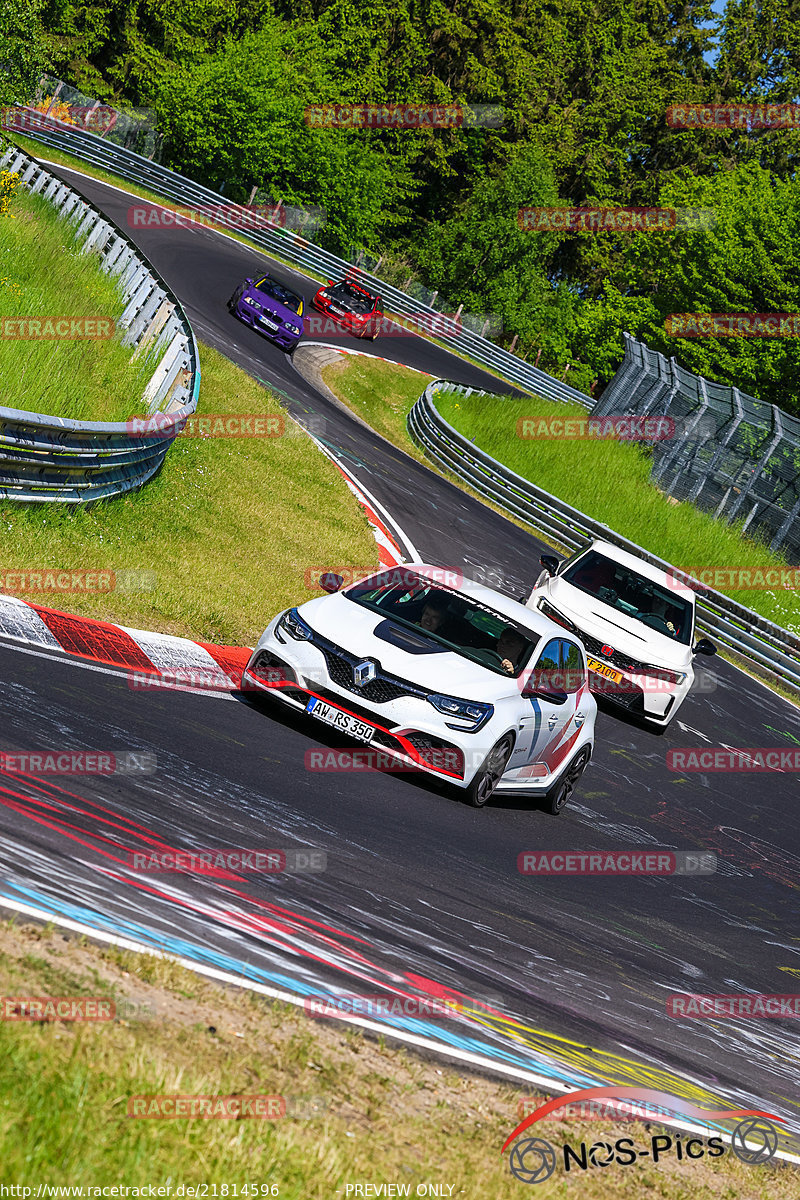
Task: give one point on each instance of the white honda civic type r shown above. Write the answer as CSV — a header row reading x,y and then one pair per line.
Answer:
x,y
455,680
636,622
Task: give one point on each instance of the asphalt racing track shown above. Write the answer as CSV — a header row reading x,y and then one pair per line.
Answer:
x,y
422,894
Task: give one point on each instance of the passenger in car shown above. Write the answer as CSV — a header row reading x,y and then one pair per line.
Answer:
x,y
433,614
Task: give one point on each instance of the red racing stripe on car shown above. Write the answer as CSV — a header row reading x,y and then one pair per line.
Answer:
x,y
555,757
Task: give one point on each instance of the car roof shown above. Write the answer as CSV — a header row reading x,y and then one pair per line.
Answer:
x,y
452,579
656,574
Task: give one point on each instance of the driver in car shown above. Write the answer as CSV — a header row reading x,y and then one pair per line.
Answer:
x,y
509,646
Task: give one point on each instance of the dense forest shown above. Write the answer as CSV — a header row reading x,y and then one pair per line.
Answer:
x,y
584,87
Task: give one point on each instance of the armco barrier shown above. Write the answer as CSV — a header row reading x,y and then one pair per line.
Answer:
x,y
739,457
44,458
750,635
285,244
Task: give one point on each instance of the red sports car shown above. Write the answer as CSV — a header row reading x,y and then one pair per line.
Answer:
x,y
352,306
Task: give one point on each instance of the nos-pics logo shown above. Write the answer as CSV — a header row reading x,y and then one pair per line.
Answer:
x,y
534,1159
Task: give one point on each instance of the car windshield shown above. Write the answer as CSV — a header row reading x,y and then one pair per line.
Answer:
x,y
457,622
353,297
289,299
654,604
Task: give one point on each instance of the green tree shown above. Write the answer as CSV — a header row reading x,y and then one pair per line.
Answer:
x,y
23,54
485,259
240,114
748,262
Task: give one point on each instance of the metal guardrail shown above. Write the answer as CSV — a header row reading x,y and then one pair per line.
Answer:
x,y
739,457
750,635
288,245
45,458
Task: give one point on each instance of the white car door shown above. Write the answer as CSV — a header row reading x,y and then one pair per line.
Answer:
x,y
547,721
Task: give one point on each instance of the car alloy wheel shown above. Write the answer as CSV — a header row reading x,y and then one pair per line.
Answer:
x,y
556,799
490,773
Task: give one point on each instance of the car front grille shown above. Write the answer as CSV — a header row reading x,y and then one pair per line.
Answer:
x,y
380,690
594,647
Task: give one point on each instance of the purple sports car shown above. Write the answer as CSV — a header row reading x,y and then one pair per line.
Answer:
x,y
270,307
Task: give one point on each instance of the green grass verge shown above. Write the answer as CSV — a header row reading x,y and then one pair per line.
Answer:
x,y
43,274
610,482
228,530
381,393
374,1113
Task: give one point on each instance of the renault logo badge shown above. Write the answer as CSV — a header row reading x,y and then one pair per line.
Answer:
x,y
363,673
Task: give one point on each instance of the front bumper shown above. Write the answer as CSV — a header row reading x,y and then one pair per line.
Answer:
x,y
656,700
639,693
408,728
281,336
348,321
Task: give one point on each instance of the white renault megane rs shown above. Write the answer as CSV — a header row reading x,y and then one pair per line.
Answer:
x,y
456,680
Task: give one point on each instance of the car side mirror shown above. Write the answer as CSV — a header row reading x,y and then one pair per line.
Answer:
x,y
550,563
248,281
330,582
704,646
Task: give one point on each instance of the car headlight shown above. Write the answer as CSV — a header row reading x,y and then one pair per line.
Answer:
x,y
554,615
293,328
663,673
292,623
249,300
473,711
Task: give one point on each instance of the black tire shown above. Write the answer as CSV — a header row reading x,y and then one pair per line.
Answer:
x,y
234,300
490,773
555,801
